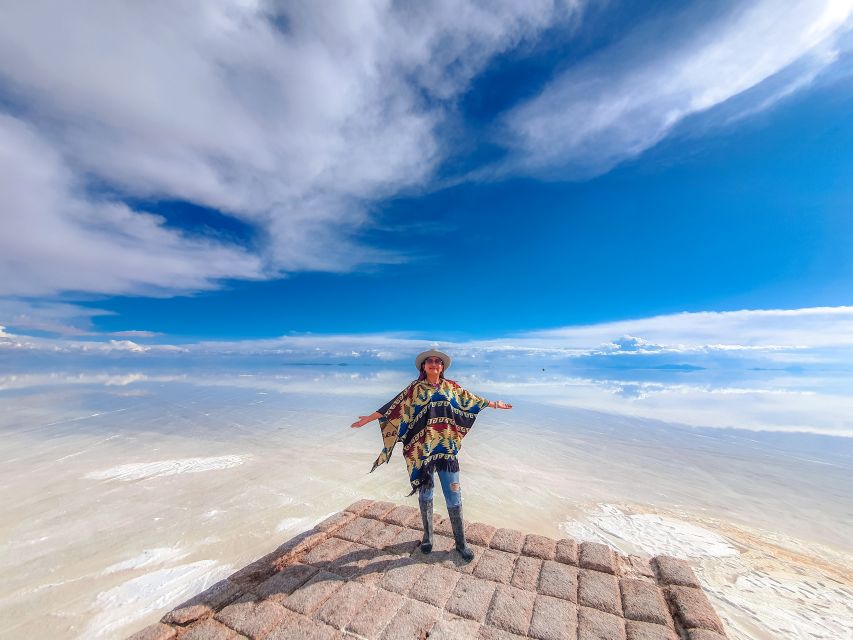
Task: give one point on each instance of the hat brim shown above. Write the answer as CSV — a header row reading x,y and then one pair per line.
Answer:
x,y
432,353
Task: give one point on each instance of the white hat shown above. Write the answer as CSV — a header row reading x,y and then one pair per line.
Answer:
x,y
432,353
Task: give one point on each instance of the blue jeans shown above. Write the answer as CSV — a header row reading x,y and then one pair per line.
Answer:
x,y
449,485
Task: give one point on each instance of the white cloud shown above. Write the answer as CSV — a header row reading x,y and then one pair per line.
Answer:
x,y
292,117
628,97
136,334
748,329
61,318
55,237
128,345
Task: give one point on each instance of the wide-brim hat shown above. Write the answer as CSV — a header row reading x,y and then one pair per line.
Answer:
x,y
432,353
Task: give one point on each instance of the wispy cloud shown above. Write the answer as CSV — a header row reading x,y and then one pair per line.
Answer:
x,y
59,318
767,329
629,96
293,118
56,238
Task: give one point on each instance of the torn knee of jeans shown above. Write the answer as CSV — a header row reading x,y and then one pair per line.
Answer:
x,y
455,486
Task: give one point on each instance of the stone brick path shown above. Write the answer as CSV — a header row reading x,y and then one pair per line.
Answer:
x,y
360,574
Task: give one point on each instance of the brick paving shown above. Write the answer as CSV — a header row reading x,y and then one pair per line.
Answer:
x,y
359,575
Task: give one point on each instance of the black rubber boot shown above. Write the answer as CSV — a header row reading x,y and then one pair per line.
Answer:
x,y
426,518
464,550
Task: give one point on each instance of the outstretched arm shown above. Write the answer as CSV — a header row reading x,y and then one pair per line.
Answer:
x,y
499,404
363,420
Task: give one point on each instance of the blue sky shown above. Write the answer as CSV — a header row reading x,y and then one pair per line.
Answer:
x,y
446,171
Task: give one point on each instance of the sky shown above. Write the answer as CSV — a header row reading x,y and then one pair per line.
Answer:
x,y
359,179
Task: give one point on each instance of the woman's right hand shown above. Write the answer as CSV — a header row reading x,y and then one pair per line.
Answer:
x,y
363,420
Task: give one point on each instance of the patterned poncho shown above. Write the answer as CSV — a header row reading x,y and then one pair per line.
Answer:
x,y
430,421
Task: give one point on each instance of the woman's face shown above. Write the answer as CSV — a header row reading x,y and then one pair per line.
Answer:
x,y
433,365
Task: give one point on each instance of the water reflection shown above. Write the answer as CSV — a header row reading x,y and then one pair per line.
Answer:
x,y
770,400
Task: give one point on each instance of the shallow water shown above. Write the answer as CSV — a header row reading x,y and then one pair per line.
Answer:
x,y
128,492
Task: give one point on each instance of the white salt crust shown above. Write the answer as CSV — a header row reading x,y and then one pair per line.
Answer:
x,y
160,468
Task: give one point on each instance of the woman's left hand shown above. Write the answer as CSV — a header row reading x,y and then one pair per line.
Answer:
x,y
500,404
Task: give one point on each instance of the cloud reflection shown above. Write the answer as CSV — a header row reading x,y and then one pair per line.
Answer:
x,y
754,400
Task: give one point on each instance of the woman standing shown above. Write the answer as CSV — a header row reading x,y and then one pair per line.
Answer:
x,y
430,417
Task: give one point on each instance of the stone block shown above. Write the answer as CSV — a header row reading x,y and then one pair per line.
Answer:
x,y
643,601
205,603
350,564
479,533
335,521
407,540
327,552
358,507
692,610
526,574
378,510
458,563
674,571
558,580
402,574
636,630
434,586
455,629
357,529
311,595
704,634
641,566
348,602
156,631
495,565
442,546
471,598
185,615
491,633
382,536
553,619
599,591
539,547
302,628
508,540
376,614
452,560
566,551
598,557
210,630
253,619
373,570
404,516
257,571
296,546
511,609
598,625
413,620
282,584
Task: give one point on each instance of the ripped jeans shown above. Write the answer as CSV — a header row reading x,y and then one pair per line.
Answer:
x,y
449,485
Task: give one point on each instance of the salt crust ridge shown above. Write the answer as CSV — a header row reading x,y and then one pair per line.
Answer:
x,y
161,468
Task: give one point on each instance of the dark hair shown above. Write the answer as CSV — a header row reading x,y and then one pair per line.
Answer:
x,y
423,371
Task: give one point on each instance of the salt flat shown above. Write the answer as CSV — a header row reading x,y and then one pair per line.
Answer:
x,y
129,491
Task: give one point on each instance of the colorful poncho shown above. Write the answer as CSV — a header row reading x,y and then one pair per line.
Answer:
x,y
430,421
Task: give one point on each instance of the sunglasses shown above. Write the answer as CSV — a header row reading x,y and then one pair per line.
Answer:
x,y
434,361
